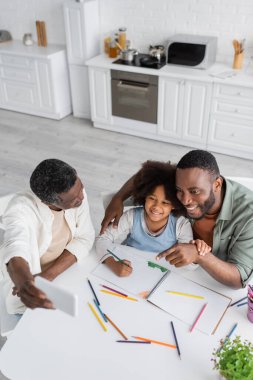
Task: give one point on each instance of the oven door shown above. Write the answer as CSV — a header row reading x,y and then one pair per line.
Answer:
x,y
134,96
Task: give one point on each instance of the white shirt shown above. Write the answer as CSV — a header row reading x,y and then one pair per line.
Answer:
x,y
28,234
118,235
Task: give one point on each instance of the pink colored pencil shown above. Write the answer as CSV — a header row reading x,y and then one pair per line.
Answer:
x,y
113,290
198,317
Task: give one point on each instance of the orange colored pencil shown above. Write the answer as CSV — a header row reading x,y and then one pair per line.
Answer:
x,y
116,327
155,341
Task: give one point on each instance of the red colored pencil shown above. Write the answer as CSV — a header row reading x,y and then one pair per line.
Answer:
x,y
198,317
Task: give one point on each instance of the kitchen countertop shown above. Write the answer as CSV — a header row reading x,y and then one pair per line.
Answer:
x,y
241,78
15,47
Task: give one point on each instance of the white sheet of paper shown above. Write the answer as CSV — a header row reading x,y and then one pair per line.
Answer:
x,y
187,308
61,298
143,277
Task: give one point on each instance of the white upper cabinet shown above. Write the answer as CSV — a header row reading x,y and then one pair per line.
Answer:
x,y
183,110
82,30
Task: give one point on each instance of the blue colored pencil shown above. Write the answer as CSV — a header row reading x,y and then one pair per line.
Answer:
x,y
93,291
236,302
228,336
100,311
232,330
241,304
175,337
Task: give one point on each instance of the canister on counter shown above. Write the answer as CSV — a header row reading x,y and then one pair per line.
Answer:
x,y
122,37
113,50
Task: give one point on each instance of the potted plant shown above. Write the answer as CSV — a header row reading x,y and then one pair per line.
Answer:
x,y
234,359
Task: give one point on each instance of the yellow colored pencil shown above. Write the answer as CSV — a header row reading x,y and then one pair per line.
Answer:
x,y
96,315
118,295
185,295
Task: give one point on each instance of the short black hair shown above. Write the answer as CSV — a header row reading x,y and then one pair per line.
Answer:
x,y
50,178
151,175
201,159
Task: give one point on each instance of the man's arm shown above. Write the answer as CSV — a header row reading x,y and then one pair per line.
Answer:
x,y
184,254
63,262
23,280
114,210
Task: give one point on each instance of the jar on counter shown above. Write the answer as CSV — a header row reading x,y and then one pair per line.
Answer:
x,y
107,42
122,37
113,50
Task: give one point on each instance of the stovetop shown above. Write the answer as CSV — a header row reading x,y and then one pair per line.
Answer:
x,y
143,60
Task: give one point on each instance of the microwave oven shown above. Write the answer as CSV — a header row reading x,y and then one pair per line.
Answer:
x,y
192,50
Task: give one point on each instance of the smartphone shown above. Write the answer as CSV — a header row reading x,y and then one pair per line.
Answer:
x,y
61,298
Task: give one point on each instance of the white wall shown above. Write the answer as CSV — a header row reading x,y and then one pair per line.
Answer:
x,y
147,21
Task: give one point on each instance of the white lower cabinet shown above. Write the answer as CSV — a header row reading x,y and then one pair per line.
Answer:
x,y
198,111
231,121
100,95
34,80
184,111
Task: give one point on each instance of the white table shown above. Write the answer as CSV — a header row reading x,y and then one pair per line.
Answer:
x,y
52,345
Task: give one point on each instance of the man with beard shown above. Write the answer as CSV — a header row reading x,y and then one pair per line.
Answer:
x,y
221,212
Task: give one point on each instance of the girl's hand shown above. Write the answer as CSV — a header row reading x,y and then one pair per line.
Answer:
x,y
202,247
120,269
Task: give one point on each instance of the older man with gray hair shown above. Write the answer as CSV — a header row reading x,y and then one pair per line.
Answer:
x,y
46,231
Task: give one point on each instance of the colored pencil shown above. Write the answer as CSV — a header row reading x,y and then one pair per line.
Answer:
x,y
93,291
133,341
154,341
175,337
231,331
113,290
185,294
242,304
241,299
198,317
116,327
228,336
100,311
118,295
116,257
96,315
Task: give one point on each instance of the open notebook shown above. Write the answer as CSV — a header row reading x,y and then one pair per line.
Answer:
x,y
160,286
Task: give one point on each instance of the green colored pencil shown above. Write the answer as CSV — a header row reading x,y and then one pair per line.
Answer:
x,y
117,258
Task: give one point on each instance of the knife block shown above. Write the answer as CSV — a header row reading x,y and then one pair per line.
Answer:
x,y
238,61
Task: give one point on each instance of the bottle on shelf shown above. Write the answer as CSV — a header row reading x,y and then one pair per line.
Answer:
x,y
122,37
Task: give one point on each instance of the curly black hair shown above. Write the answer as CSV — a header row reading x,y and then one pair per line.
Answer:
x,y
151,175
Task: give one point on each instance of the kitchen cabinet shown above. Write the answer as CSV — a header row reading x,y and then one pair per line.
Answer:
x,y
231,121
81,21
100,95
183,113
196,108
34,80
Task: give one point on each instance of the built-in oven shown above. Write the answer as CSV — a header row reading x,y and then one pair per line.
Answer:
x,y
134,96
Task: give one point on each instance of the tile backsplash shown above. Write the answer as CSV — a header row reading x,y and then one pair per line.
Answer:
x,y
147,21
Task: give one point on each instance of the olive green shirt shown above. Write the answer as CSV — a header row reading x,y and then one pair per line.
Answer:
x,y
233,231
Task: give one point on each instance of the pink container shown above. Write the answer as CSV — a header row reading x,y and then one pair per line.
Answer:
x,y
250,310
